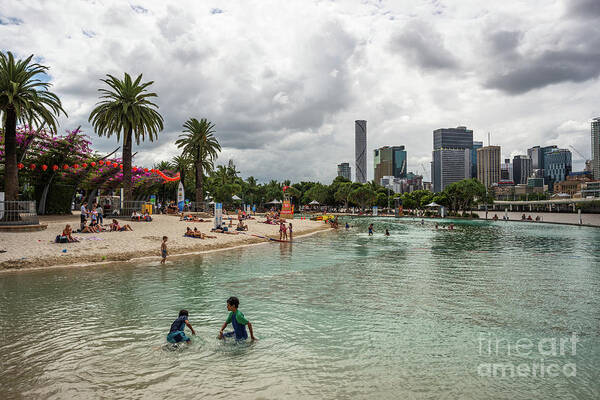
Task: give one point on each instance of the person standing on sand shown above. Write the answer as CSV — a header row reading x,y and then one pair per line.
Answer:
x,y
163,250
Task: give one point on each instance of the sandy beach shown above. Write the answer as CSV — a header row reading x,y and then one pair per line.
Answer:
x,y
26,250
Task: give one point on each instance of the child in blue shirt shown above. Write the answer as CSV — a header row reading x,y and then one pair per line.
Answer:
x,y
176,334
237,320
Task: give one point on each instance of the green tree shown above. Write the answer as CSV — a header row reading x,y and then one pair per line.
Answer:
x,y
198,142
363,196
182,164
125,109
341,195
318,192
24,99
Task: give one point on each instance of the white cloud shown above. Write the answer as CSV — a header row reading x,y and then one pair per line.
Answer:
x,y
284,84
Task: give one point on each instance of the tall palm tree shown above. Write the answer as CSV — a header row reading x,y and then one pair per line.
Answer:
x,y
24,99
125,109
198,142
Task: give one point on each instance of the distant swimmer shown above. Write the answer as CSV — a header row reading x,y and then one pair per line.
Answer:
x,y
371,230
347,226
387,233
451,226
422,221
436,226
176,334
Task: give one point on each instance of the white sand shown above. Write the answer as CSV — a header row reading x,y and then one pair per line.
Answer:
x,y
37,249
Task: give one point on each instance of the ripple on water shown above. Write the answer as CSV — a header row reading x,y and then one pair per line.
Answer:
x,y
339,315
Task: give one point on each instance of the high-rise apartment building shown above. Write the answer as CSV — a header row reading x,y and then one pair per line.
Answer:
x,y
452,159
558,165
389,161
521,169
360,150
344,171
488,165
596,148
476,145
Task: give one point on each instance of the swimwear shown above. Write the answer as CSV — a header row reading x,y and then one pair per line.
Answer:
x,y
164,254
177,337
239,326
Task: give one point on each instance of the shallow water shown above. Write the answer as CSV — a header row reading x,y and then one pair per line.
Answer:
x,y
419,314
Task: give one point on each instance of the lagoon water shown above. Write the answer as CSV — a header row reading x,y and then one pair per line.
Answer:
x,y
339,315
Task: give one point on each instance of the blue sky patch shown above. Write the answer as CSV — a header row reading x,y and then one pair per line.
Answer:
x,y
10,20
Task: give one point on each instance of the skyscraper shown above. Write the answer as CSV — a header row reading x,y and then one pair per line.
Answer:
x,y
476,145
596,148
488,165
506,171
344,171
360,150
537,155
521,169
389,161
452,159
558,164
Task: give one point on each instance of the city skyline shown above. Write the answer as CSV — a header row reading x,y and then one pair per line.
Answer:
x,y
529,78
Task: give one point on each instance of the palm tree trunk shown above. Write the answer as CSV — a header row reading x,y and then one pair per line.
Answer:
x,y
11,177
199,182
127,145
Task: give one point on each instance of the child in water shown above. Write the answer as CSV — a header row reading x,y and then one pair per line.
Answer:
x,y
237,320
163,250
176,334
387,233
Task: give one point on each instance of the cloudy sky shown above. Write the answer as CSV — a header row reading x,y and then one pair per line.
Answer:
x,y
283,81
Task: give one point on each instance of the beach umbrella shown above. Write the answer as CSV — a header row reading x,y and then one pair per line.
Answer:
x,y
432,204
235,197
314,203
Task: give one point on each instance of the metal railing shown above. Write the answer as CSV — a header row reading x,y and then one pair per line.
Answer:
x,y
18,213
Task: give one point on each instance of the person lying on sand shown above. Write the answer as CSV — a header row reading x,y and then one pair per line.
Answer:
x,y
116,227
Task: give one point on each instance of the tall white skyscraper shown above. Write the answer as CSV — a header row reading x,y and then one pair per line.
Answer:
x,y
360,150
596,148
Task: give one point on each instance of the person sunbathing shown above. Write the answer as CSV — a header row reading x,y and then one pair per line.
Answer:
x,y
136,216
68,234
147,217
241,226
202,235
116,227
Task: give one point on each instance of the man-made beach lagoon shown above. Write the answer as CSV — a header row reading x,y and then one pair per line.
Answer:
x,y
423,313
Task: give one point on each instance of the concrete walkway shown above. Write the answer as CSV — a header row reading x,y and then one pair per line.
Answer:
x,y
561,218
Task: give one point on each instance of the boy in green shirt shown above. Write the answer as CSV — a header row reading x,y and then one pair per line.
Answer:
x,y
237,320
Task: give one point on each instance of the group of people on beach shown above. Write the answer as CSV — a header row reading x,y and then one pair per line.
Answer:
x,y
96,224
236,318
283,231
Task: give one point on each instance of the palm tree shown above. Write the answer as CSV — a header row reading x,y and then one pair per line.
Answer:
x,y
202,147
181,164
23,99
126,110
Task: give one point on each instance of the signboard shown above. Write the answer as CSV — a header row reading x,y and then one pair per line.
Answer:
x,y
287,210
153,199
218,215
180,196
374,211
